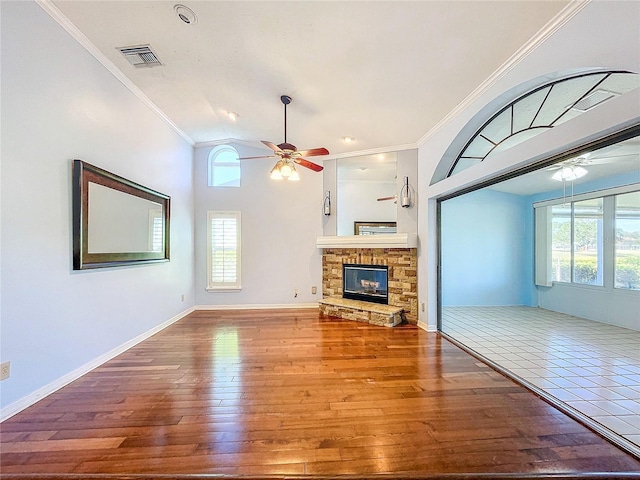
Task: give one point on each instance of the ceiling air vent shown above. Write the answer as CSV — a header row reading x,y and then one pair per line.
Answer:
x,y
594,98
140,56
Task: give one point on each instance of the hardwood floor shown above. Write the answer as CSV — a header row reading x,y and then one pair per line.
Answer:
x,y
285,392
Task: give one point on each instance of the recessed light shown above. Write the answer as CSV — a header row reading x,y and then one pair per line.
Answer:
x,y
233,116
185,14
348,139
380,156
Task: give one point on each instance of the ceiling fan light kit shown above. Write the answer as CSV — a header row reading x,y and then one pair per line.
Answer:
x,y
569,173
284,169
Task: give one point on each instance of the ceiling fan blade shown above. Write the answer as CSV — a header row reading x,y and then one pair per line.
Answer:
x,y
610,159
261,156
383,199
314,152
272,146
303,162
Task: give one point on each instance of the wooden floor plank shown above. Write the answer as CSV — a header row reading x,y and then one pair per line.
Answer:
x,y
284,392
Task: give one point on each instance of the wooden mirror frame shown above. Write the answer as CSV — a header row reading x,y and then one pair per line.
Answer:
x,y
83,174
358,225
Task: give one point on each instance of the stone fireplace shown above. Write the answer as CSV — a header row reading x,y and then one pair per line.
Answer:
x,y
401,266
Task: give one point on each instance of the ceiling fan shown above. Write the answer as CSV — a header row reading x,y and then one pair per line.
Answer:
x,y
573,168
289,155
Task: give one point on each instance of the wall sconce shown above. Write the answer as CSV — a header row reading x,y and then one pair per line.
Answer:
x,y
405,194
326,205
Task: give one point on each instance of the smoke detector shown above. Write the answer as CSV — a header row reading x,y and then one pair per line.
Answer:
x,y
185,14
140,56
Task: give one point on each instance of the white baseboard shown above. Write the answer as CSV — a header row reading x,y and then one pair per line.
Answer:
x,y
426,327
19,405
261,306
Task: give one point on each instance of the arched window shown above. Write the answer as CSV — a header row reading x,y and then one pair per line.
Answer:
x,y
541,109
224,167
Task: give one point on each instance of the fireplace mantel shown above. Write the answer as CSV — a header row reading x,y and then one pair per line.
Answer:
x,y
395,240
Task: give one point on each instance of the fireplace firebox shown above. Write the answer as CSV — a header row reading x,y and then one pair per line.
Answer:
x,y
365,282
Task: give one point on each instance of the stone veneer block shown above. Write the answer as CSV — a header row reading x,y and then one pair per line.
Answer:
x,y
376,314
403,276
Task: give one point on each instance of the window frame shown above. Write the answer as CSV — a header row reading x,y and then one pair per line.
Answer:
x,y
488,140
224,286
214,154
543,216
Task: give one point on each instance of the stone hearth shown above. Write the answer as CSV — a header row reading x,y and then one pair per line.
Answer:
x,y
367,312
403,275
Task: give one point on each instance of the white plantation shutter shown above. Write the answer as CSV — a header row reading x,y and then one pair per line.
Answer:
x,y
157,231
223,245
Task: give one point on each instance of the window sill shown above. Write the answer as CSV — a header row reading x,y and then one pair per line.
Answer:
x,y
600,288
224,289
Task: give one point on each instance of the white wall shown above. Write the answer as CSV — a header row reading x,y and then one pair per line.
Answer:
x,y
280,223
572,48
408,167
60,103
485,257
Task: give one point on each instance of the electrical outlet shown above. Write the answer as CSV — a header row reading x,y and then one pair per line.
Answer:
x,y
422,306
314,290
5,370
182,297
295,293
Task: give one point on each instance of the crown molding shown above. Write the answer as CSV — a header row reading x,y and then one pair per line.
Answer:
x,y
230,141
81,38
373,151
359,153
555,24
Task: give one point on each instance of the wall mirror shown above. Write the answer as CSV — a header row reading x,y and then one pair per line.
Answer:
x,y
116,221
366,190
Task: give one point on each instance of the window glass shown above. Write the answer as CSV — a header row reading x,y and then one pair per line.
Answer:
x,y
541,109
224,167
627,234
587,241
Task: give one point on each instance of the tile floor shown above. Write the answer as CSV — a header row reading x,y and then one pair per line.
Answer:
x,y
592,367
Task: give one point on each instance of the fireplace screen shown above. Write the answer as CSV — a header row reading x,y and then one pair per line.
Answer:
x,y
365,282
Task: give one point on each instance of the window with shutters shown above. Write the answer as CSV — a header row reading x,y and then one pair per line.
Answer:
x,y
156,231
223,250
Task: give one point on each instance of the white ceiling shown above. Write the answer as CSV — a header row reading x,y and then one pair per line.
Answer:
x,y
617,159
383,72
379,168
